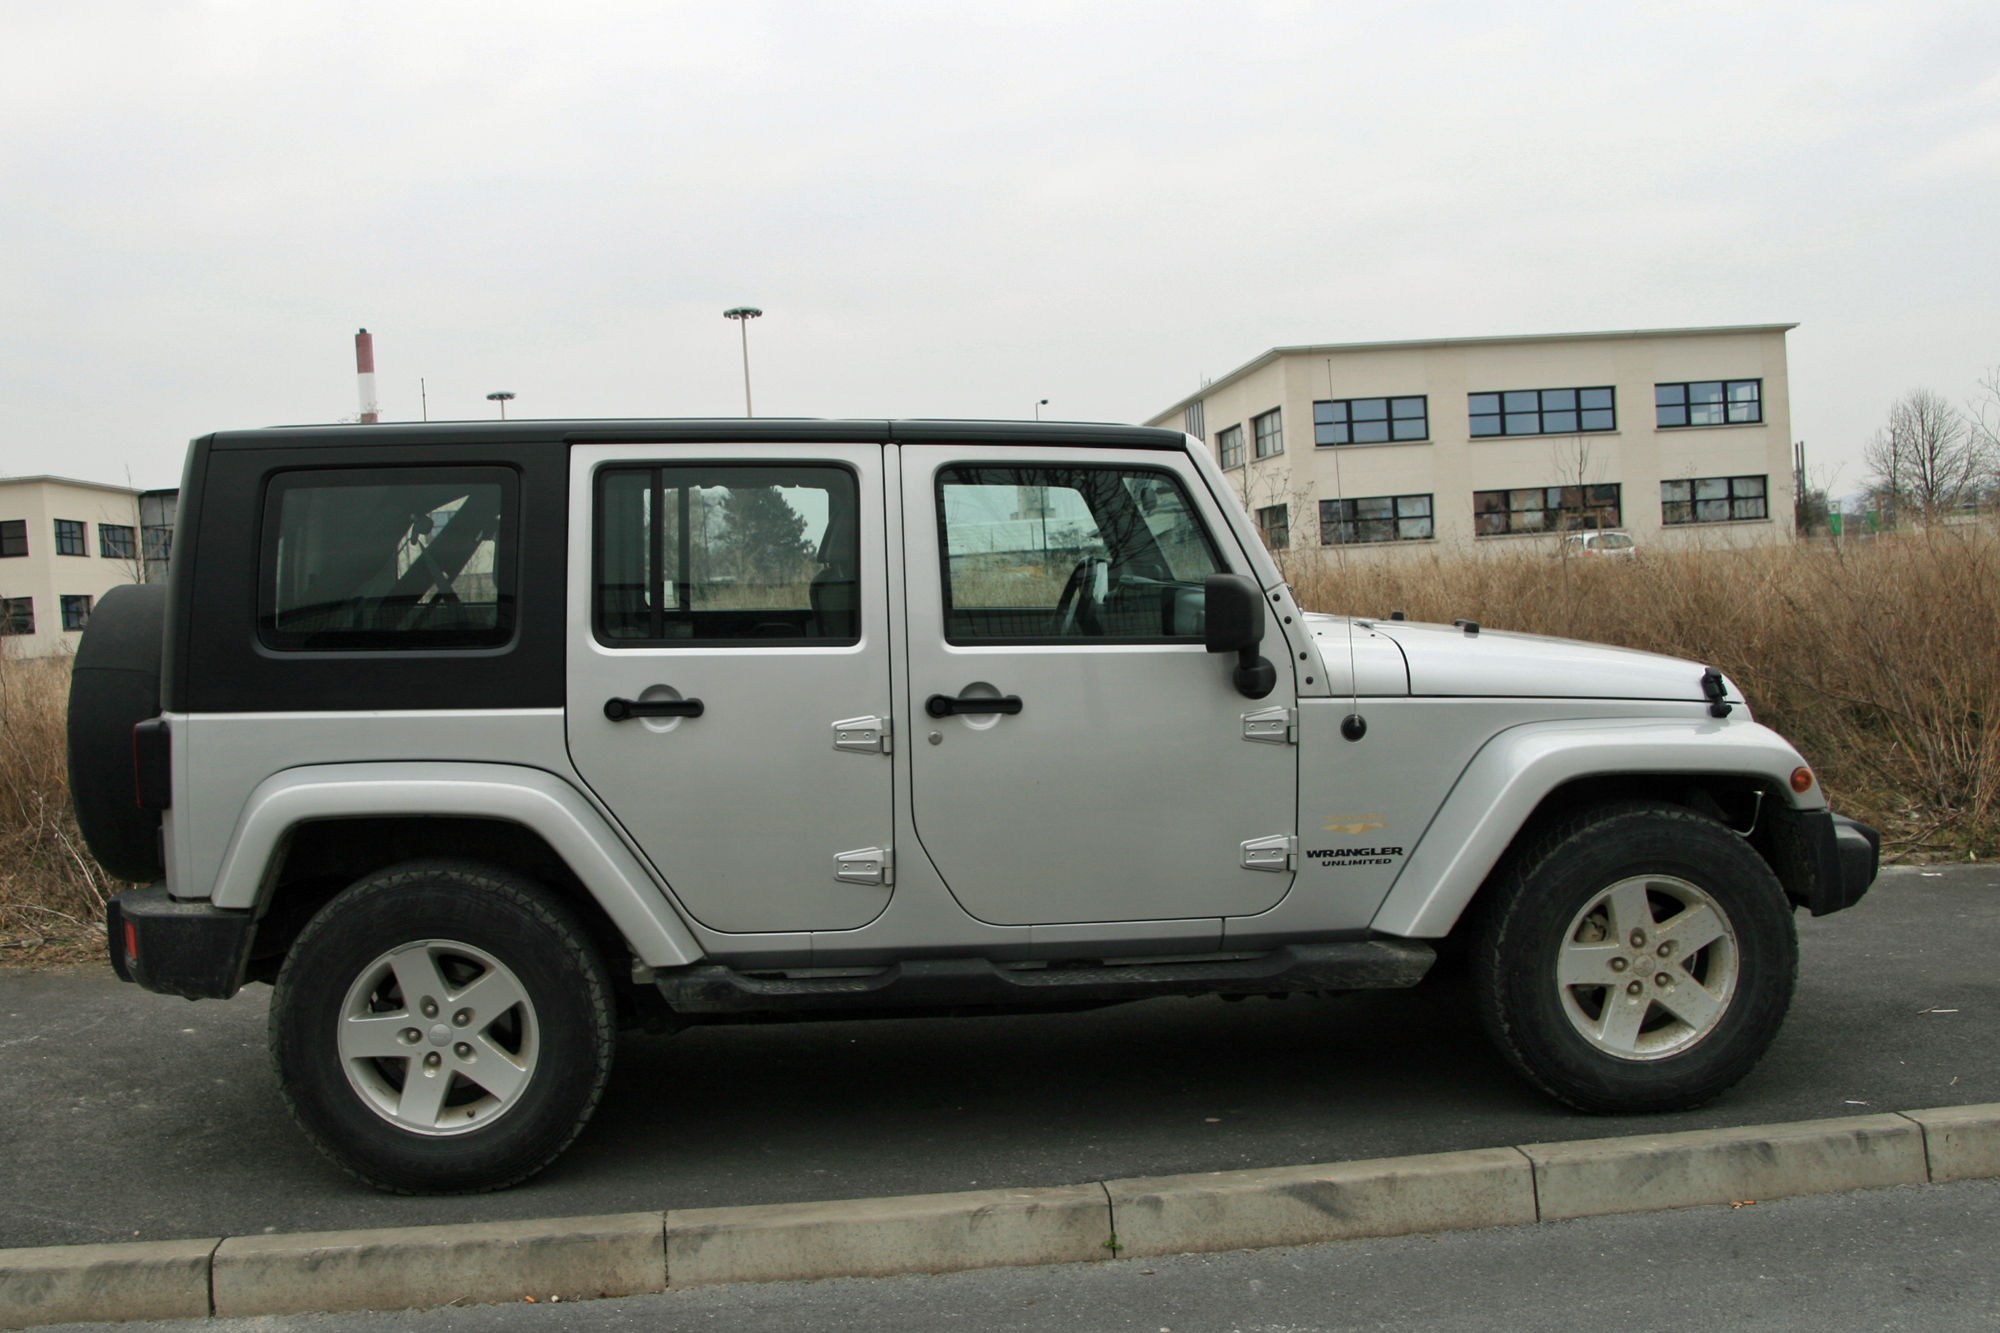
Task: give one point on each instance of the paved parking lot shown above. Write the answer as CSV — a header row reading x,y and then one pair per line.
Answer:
x,y
124,1114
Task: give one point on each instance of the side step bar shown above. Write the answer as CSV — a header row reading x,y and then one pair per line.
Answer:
x,y
975,983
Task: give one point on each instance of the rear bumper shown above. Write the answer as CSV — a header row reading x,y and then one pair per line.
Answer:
x,y
190,949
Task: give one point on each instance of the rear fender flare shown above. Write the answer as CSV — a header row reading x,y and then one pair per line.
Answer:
x,y
1517,769
535,799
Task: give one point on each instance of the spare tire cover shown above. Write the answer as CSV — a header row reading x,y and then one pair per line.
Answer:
x,y
115,685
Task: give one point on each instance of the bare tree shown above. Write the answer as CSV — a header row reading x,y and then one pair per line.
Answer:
x,y
1983,418
1928,457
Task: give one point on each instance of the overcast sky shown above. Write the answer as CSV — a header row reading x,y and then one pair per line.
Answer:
x,y
955,210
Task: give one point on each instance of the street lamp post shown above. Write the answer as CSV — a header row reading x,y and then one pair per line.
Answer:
x,y
501,398
1038,408
743,314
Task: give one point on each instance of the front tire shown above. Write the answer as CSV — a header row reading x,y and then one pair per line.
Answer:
x,y
1636,958
442,1027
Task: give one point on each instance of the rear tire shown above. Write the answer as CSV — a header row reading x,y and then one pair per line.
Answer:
x,y
480,1078
1636,958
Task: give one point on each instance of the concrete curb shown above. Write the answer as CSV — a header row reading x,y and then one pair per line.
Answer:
x,y
584,1257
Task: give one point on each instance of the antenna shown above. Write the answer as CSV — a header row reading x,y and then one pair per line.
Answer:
x,y
1353,726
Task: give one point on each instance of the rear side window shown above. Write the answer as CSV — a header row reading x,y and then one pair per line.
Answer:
x,y
715,554
389,559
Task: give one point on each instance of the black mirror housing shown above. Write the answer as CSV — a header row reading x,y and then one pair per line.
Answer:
x,y
1233,622
1233,614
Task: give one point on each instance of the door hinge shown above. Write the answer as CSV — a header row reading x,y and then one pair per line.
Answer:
x,y
866,865
1280,851
1273,726
863,735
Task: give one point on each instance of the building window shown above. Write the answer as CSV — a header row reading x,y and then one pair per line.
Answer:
x,y
1229,446
1544,509
1710,403
1371,420
1270,434
17,615
75,612
13,536
1375,518
159,546
1714,500
1191,418
116,542
1542,411
1274,522
71,537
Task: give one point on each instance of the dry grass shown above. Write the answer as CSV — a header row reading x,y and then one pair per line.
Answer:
x,y
1880,661
51,891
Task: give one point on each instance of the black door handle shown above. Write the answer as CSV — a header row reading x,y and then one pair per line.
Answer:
x,y
943,705
620,709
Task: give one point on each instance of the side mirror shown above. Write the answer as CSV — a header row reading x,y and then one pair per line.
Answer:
x,y
1233,622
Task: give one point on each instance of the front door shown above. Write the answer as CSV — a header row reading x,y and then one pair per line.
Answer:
x,y
1124,787
727,611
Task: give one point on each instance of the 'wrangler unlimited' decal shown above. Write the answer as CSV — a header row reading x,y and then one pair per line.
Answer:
x,y
1356,856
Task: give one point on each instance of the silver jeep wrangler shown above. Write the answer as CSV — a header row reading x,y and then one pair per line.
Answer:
x,y
480,741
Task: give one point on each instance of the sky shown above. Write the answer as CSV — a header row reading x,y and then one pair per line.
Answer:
x,y
957,210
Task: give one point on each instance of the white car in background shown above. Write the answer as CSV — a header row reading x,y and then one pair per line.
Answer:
x,y
1610,544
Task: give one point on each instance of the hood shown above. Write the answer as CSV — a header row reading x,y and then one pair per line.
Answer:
x,y
1445,660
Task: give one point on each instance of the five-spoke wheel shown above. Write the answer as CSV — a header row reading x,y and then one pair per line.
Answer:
x,y
442,1026
1637,957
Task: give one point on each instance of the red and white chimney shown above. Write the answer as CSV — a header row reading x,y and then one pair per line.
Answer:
x,y
364,366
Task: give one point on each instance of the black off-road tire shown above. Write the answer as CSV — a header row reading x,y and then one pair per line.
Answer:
x,y
492,910
1519,928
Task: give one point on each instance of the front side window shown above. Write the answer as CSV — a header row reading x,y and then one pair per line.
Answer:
x,y
1375,518
1371,420
1229,446
115,541
717,554
75,612
71,538
1542,411
17,615
1274,524
1033,554
389,559
1714,500
13,537
1270,433
1544,509
1709,403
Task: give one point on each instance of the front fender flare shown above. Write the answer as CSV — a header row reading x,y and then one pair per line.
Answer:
x,y
1517,768
531,797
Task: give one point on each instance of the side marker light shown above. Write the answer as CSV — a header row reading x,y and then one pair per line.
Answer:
x,y
131,942
1802,780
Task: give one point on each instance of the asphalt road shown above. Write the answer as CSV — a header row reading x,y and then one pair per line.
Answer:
x,y
127,1115
1922,1258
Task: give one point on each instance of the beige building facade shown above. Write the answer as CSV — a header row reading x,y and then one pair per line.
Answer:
x,y
63,544
1675,436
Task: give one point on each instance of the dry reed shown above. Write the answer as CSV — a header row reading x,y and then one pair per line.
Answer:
x,y
1879,660
51,891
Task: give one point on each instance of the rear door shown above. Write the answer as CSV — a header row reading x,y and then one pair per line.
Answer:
x,y
1125,787
749,578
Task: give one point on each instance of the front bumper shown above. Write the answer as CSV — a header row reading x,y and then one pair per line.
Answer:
x,y
190,949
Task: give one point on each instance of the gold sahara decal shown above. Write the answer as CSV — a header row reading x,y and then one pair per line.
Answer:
x,y
1355,825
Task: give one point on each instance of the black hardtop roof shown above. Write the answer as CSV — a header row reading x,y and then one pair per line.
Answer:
x,y
771,430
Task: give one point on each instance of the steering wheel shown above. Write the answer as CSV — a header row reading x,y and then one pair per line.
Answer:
x,y
1082,595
